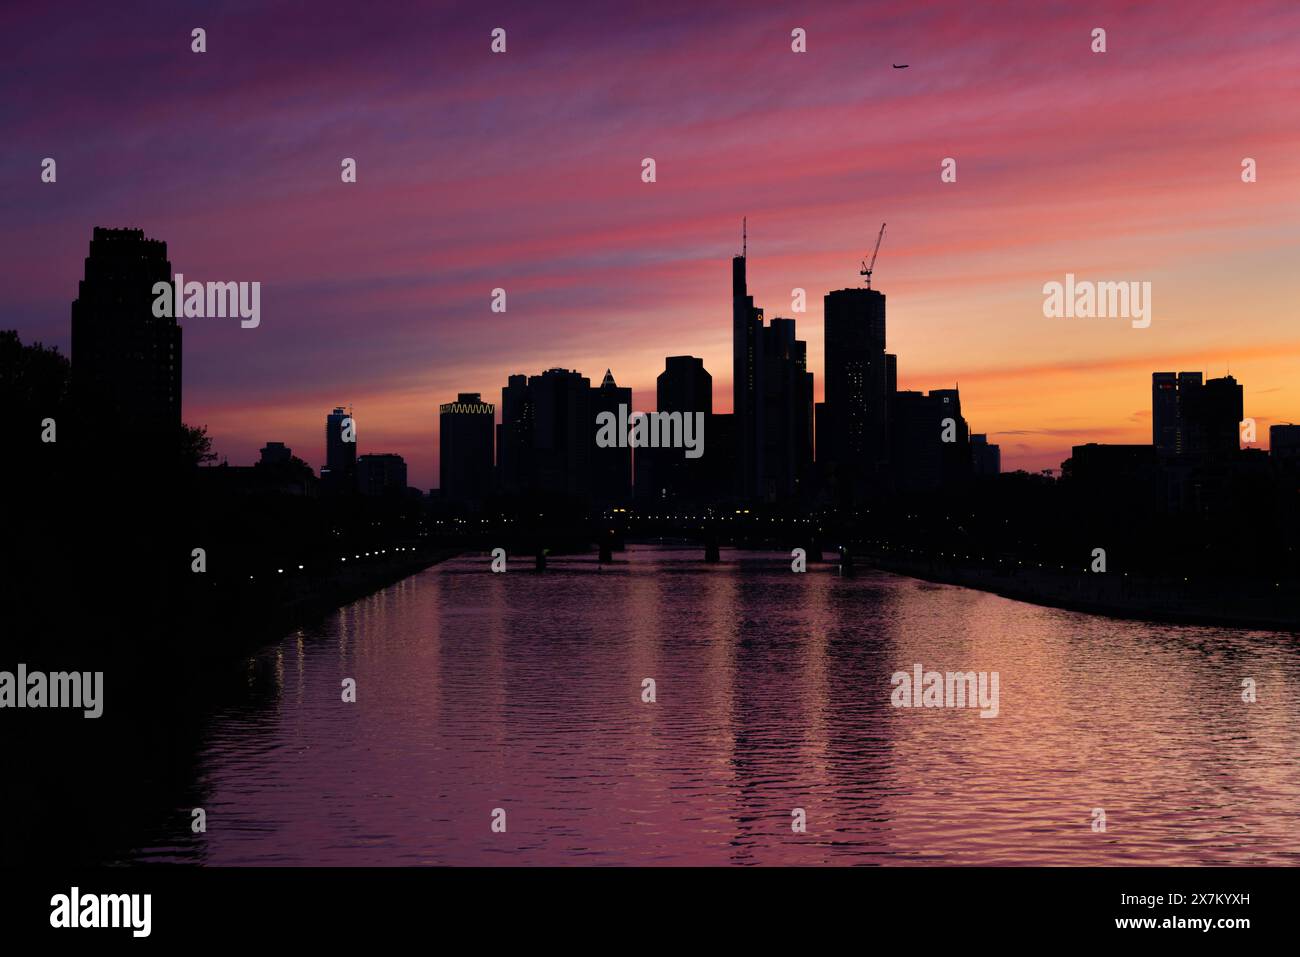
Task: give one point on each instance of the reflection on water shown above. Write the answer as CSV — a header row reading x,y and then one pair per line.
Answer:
x,y
522,691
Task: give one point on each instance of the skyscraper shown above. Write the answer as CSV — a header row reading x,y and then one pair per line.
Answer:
x,y
1164,412
340,471
853,440
931,440
126,362
785,419
1195,418
684,386
1214,416
465,448
547,435
564,433
746,325
666,475
515,437
771,386
611,468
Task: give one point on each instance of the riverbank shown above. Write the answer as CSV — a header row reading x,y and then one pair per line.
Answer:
x,y
184,657
1264,606
237,621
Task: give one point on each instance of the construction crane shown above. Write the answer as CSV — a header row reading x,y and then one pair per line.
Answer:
x,y
866,270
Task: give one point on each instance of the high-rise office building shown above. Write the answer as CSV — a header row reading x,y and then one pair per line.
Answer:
x,y
684,386
746,329
666,475
515,437
547,435
720,457
785,434
339,474
1195,418
1164,412
465,430
126,362
772,415
1215,416
611,467
954,436
564,433
853,437
1172,394
931,440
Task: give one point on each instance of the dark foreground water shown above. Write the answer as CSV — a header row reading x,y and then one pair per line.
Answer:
x,y
523,692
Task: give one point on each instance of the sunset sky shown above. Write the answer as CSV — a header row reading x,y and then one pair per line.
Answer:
x,y
522,171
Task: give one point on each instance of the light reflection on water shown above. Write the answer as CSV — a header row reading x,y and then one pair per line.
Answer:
x,y
523,691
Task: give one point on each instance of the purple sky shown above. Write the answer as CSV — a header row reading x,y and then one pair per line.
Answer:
x,y
522,171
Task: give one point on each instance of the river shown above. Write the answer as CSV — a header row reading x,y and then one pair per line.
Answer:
x,y
518,698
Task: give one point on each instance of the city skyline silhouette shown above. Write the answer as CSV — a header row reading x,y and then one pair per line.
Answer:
x,y
620,443
377,293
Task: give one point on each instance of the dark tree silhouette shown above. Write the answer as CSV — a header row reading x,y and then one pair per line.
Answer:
x,y
195,446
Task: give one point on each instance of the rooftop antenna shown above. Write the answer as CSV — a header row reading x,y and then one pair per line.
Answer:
x,y
866,269
744,237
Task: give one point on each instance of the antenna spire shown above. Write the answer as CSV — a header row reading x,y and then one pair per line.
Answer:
x,y
744,237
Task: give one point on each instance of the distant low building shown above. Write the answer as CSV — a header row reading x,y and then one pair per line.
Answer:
x,y
381,474
293,477
986,458
275,453
1115,478
1095,462
1284,443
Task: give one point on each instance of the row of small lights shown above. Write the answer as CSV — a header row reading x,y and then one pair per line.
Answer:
x,y
912,551
804,520
382,551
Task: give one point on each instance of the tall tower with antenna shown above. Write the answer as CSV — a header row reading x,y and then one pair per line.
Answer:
x,y
746,329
